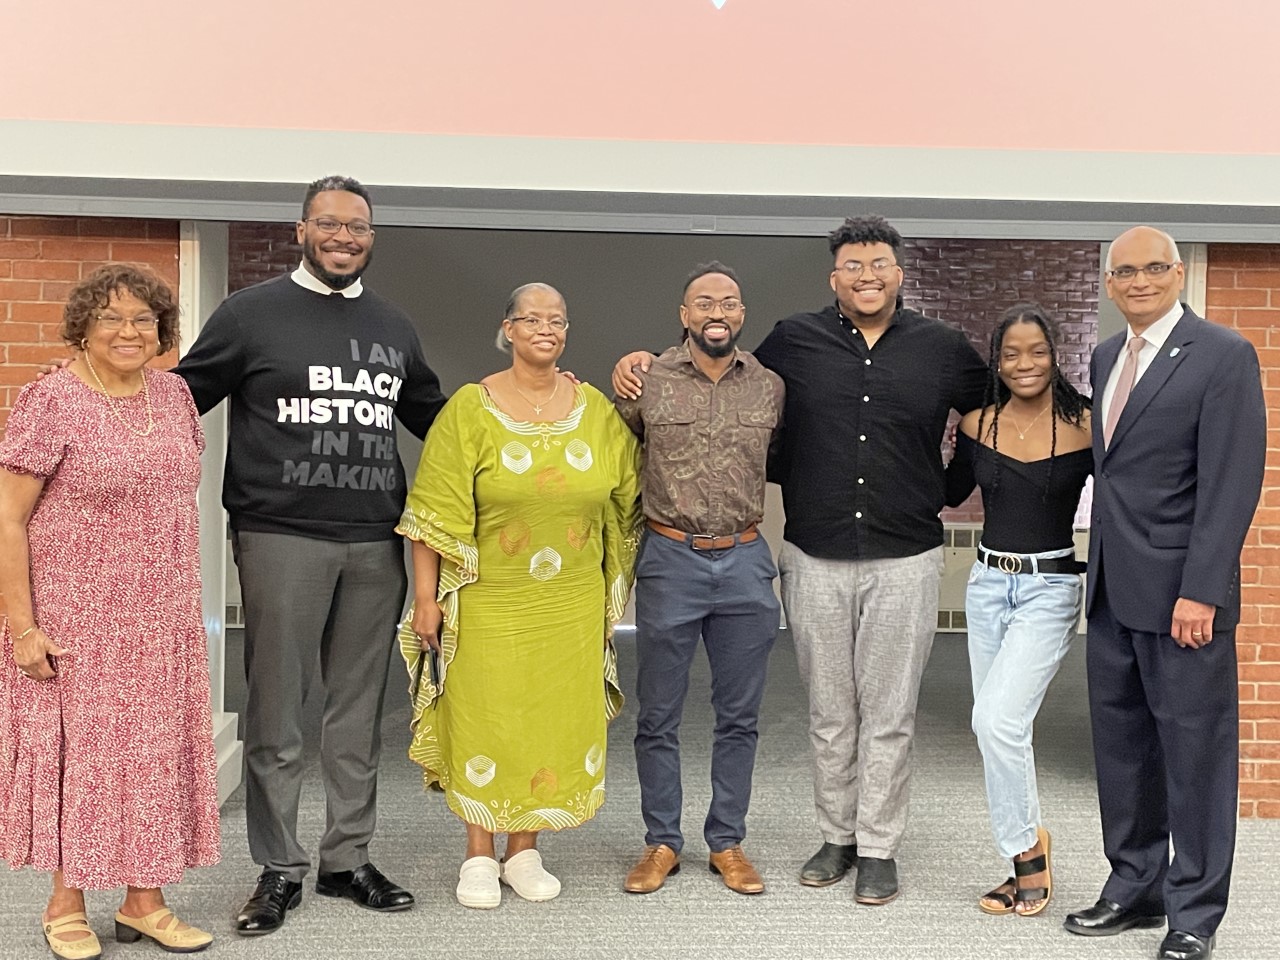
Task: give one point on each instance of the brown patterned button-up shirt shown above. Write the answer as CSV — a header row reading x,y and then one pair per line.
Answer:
x,y
706,445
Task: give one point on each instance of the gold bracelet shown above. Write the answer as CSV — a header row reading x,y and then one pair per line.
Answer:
x,y
25,632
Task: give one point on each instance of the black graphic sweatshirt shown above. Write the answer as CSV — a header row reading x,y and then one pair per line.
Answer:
x,y
315,382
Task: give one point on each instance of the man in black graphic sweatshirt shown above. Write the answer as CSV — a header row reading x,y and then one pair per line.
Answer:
x,y
317,369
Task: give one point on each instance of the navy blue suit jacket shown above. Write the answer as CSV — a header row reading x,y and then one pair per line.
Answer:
x,y
1175,493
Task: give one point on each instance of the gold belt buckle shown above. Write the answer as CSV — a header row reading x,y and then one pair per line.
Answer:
x,y
1009,564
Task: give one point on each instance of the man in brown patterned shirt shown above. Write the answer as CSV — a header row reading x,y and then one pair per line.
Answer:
x,y
708,415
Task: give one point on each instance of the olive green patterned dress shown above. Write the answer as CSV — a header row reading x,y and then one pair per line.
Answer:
x,y
536,525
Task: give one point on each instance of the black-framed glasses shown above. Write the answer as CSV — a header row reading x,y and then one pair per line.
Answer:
x,y
853,269
534,324
357,228
1125,272
729,306
143,324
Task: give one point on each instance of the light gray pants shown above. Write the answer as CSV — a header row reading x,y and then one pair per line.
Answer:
x,y
863,630
307,599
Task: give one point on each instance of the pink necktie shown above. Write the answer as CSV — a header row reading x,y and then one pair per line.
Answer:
x,y
1128,373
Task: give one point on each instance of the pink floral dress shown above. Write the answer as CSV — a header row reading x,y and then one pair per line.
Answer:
x,y
107,772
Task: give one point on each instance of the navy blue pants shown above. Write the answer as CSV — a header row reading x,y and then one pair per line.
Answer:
x,y
726,599
1166,744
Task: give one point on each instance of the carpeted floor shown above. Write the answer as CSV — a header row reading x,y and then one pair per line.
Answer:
x,y
947,860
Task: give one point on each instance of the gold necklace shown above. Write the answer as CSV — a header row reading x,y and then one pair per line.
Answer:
x,y
1022,434
111,401
537,407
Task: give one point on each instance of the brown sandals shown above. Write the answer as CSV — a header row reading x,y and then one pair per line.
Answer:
x,y
1003,895
1002,899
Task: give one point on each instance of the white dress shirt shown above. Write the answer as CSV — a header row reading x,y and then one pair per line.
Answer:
x,y
305,278
1155,335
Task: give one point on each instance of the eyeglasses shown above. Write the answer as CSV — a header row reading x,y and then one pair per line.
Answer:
x,y
534,324
852,269
143,324
357,228
729,306
1152,270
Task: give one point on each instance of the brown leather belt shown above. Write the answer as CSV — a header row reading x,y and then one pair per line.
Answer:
x,y
702,541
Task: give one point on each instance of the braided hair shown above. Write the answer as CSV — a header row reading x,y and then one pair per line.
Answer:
x,y
1066,401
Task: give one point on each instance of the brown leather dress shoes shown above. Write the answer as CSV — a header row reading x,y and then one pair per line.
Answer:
x,y
653,869
736,871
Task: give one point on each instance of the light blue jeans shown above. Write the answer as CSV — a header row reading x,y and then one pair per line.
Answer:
x,y
1020,627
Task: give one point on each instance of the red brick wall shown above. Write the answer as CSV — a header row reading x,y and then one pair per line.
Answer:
x,y
260,251
41,259
1244,294
969,283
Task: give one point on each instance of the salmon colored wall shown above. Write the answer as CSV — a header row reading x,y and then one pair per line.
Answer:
x,y
1001,74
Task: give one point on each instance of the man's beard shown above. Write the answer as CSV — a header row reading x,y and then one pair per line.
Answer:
x,y
716,350
335,281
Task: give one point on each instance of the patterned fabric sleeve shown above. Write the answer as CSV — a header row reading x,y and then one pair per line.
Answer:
x,y
35,439
441,513
189,405
621,540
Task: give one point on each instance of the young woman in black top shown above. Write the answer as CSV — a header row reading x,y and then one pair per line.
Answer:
x,y
1029,449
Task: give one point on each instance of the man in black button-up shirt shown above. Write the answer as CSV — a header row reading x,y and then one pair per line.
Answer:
x,y
869,386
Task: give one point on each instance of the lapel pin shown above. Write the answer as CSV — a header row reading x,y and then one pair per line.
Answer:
x,y
1174,351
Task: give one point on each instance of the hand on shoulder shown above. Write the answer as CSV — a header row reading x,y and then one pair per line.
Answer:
x,y
969,422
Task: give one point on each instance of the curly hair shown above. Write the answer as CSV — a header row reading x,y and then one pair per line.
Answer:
x,y
335,182
1068,403
706,269
870,229
93,294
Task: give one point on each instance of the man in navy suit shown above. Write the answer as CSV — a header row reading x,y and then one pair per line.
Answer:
x,y
1179,440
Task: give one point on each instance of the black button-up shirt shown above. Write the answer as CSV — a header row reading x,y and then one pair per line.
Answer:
x,y
861,461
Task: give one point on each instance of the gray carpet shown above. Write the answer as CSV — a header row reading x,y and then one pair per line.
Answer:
x,y
946,863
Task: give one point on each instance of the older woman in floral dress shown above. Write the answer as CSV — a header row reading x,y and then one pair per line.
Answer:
x,y
107,769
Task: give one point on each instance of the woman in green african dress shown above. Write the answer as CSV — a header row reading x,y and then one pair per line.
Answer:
x,y
523,521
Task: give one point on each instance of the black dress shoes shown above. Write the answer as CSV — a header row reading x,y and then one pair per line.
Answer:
x,y
877,881
367,887
829,864
1106,917
272,897
1185,946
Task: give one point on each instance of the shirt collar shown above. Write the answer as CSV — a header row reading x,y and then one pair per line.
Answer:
x,y
305,278
850,325
1158,332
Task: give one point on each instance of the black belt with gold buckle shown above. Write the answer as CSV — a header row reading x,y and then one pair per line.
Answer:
x,y
1013,563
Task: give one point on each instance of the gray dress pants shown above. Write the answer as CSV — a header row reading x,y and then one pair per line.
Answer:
x,y
863,630
307,599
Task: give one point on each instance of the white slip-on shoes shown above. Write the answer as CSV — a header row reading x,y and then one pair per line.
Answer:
x,y
478,885
524,874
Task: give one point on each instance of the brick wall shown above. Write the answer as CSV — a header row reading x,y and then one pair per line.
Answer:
x,y
1244,294
41,259
969,283
260,251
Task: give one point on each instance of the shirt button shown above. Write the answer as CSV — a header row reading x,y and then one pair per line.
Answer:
x,y
863,437
858,515
866,399
860,480
868,361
